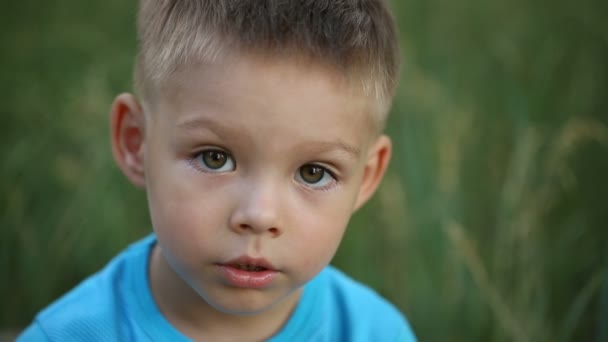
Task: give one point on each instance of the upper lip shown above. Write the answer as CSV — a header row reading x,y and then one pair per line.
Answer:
x,y
250,262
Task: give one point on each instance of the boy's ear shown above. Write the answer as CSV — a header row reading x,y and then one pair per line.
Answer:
x,y
377,162
127,135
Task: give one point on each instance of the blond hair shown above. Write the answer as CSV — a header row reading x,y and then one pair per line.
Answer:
x,y
355,37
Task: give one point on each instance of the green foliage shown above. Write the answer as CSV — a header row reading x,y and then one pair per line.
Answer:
x,y
490,225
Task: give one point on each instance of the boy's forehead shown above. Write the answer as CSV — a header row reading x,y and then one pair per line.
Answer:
x,y
290,72
311,95
262,81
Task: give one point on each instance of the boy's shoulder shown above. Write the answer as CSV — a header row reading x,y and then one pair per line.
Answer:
x,y
346,310
96,309
350,295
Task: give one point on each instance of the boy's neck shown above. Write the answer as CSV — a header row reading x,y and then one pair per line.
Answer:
x,y
198,320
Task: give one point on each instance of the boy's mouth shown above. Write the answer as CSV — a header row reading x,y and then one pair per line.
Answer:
x,y
249,264
249,267
247,272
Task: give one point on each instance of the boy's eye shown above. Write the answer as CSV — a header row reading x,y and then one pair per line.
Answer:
x,y
314,175
215,161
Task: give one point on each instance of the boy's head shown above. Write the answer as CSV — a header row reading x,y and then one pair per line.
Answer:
x,y
256,141
355,38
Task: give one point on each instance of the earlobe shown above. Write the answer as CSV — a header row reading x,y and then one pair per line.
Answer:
x,y
375,167
127,135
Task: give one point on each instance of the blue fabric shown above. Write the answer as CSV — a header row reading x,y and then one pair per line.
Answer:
x,y
116,305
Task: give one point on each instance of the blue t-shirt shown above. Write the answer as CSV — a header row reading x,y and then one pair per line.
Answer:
x,y
116,305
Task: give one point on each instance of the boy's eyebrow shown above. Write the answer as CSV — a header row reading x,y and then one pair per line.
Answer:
x,y
199,123
316,146
321,146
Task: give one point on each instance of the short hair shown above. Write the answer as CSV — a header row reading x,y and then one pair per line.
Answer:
x,y
355,37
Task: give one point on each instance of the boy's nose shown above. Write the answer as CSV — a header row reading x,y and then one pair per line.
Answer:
x,y
257,211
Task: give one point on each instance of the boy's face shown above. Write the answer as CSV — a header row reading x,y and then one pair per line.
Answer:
x,y
255,162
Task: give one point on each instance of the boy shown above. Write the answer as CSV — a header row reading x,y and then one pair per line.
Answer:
x,y
256,134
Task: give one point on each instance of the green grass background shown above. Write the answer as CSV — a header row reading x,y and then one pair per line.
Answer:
x,y
491,224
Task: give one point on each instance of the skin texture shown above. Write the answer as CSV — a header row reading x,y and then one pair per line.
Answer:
x,y
268,118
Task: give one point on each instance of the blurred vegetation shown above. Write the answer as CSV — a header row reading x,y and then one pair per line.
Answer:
x,y
490,226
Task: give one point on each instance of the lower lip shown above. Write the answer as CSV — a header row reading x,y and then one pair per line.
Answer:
x,y
246,279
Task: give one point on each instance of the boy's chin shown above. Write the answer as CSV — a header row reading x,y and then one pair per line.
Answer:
x,y
248,302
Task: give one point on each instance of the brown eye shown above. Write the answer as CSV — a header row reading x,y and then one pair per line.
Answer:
x,y
312,174
215,161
